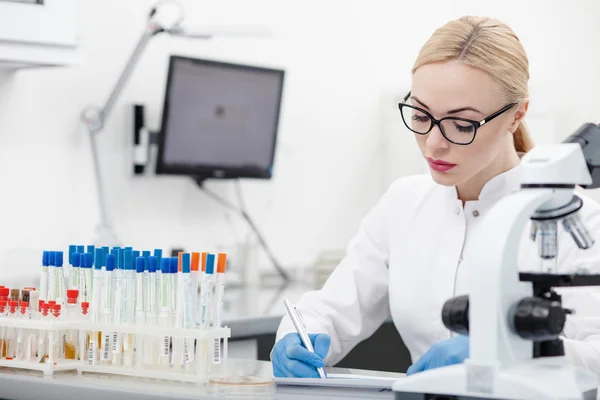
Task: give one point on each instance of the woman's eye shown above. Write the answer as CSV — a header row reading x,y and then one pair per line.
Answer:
x,y
464,128
420,118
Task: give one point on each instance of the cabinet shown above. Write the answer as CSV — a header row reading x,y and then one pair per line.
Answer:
x,y
39,33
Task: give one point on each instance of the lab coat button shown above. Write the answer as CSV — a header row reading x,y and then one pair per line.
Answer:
x,y
457,210
476,213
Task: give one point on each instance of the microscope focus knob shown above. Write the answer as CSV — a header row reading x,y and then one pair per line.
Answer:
x,y
455,314
538,319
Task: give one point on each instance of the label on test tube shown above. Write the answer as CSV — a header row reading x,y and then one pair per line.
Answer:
x,y
92,351
218,303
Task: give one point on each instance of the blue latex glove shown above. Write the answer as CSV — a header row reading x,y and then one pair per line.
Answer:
x,y
291,359
447,352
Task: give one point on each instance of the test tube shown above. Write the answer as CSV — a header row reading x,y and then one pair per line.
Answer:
x,y
178,342
55,350
96,307
72,314
140,313
86,278
164,316
158,255
22,333
34,302
202,278
51,276
129,305
3,314
61,294
188,311
75,268
72,250
174,264
151,344
106,316
218,303
119,285
44,277
195,268
11,332
205,306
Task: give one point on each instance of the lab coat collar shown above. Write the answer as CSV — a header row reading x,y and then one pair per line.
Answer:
x,y
499,186
502,184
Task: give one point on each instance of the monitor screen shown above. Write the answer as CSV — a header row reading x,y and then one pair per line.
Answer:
x,y
219,119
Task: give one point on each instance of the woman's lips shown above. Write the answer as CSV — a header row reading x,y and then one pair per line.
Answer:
x,y
439,165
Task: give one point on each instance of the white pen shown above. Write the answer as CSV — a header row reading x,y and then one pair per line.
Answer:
x,y
296,318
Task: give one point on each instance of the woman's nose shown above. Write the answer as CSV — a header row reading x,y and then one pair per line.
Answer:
x,y
435,139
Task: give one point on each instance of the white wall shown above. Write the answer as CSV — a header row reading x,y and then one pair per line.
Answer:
x,y
341,139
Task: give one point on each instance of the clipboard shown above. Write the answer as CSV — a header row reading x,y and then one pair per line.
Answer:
x,y
349,381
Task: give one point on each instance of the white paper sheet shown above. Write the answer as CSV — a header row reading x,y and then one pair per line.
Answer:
x,y
342,381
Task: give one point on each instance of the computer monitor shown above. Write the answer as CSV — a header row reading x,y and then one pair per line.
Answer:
x,y
220,120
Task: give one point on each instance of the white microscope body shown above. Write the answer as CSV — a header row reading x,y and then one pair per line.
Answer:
x,y
504,315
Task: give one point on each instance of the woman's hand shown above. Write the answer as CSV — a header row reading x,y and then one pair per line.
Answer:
x,y
447,352
291,360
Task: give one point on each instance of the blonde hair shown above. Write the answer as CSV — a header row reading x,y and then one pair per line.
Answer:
x,y
491,46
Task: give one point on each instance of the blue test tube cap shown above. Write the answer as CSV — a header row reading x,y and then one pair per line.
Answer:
x,y
58,258
140,263
152,263
127,259
72,250
45,258
210,263
80,249
158,253
129,248
105,252
174,265
98,259
185,263
110,262
76,260
146,253
136,254
165,265
89,260
91,249
51,258
121,260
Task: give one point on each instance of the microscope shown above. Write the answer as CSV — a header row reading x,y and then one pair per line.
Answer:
x,y
514,319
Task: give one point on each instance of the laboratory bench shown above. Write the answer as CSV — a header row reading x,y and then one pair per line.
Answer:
x,y
253,313
248,379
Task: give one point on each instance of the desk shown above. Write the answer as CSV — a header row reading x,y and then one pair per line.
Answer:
x,y
23,385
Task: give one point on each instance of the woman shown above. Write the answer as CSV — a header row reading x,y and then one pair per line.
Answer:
x,y
405,261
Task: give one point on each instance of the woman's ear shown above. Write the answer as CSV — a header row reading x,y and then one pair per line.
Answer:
x,y
522,108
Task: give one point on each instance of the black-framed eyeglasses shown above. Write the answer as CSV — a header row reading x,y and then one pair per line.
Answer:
x,y
456,130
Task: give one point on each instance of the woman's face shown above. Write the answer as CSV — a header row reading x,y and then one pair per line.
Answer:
x,y
442,89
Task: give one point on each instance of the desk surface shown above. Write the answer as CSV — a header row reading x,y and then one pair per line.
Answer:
x,y
66,386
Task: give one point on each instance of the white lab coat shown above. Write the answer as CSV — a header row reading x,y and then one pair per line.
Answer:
x,y
405,262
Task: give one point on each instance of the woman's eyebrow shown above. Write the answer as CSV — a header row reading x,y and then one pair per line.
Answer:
x,y
456,110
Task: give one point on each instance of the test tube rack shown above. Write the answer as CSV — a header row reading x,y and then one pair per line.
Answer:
x,y
202,368
50,330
